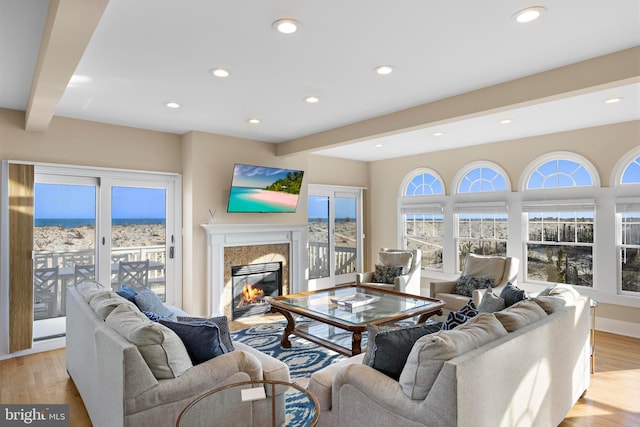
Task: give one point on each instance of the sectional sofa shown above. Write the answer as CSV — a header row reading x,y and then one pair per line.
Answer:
x,y
523,366
149,384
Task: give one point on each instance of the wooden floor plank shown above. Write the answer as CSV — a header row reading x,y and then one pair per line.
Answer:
x,y
613,398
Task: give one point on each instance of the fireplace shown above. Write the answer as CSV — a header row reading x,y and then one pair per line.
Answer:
x,y
251,284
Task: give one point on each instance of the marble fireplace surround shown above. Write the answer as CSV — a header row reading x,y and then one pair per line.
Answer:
x,y
238,244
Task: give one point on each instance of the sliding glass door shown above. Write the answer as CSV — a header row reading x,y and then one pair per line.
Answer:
x,y
334,235
113,227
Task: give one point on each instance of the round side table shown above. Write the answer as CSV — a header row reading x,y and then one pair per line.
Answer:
x,y
238,404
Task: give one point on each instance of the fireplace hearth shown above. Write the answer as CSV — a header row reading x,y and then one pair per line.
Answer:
x,y
251,284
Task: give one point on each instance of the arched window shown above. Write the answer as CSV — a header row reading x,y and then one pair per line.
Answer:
x,y
557,170
631,174
481,177
560,231
423,182
423,223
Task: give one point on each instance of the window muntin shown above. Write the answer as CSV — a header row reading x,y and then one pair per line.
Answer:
x,y
559,173
425,231
424,184
559,245
482,179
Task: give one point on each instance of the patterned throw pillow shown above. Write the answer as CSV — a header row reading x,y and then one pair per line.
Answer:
x,y
469,310
386,273
465,285
454,319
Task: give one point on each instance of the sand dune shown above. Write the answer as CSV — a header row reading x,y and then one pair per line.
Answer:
x,y
76,238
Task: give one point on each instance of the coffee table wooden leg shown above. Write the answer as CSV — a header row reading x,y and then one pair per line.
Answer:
x,y
356,339
291,325
423,318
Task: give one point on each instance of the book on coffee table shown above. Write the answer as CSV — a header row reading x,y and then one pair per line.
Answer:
x,y
357,300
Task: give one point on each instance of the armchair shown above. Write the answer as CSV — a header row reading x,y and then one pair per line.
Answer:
x,y
502,269
409,282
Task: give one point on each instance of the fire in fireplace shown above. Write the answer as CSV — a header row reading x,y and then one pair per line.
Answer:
x,y
251,284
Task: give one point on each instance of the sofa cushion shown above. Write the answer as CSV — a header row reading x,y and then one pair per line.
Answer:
x,y
491,303
520,314
391,346
465,285
105,302
160,347
430,352
566,292
90,289
485,266
512,294
201,339
396,258
386,273
223,327
549,304
147,300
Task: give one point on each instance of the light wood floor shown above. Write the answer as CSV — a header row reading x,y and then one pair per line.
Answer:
x,y
613,398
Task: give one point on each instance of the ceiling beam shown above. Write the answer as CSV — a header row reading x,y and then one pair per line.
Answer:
x,y
67,31
616,69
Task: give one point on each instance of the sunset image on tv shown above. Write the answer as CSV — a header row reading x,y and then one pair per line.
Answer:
x,y
264,189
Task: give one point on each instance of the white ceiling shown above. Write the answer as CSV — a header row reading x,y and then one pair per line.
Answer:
x,y
144,53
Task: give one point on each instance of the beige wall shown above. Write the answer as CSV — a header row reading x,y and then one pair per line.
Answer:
x,y
79,142
207,167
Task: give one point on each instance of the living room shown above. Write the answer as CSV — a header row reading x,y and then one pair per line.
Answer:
x,y
205,160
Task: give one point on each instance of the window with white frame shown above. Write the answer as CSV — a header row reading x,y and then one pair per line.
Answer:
x,y
628,226
559,238
481,226
423,223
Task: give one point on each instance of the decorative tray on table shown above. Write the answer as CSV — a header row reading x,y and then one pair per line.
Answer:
x,y
353,301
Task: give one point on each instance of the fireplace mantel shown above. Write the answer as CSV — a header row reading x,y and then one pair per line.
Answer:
x,y
220,236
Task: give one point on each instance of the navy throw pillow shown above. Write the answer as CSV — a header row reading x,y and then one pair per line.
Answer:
x,y
454,319
470,309
511,294
201,339
223,327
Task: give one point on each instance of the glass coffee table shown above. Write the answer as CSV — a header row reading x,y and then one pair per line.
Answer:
x,y
351,308
237,404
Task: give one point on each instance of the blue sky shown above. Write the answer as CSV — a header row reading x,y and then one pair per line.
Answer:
x,y
79,201
256,176
345,207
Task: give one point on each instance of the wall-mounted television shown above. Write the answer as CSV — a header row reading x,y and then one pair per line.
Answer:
x,y
264,189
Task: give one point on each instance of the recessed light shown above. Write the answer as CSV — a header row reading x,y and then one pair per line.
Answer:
x,y
438,133
253,121
529,14
379,145
383,70
613,100
171,104
506,121
219,72
286,26
312,99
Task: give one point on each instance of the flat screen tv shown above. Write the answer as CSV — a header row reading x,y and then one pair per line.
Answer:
x,y
264,189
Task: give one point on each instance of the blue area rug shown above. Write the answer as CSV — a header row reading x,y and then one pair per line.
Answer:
x,y
303,359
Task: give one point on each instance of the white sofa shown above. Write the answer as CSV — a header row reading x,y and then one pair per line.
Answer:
x,y
119,389
531,376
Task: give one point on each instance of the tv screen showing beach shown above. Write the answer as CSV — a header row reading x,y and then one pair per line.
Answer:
x,y
264,189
